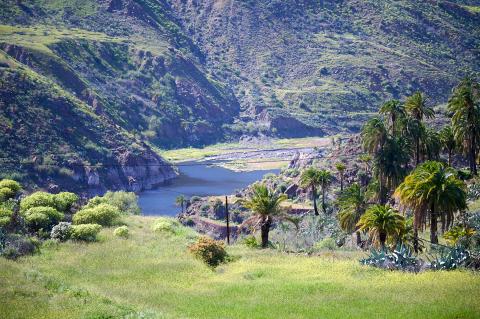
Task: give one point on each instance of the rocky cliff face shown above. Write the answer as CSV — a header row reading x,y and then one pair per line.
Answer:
x,y
54,140
131,172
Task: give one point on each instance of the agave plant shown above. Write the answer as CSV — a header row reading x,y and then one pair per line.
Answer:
x,y
451,260
401,258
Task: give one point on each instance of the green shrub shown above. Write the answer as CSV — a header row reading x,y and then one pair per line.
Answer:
x,y
62,231
103,214
170,226
42,217
14,246
64,201
457,234
54,215
5,216
451,259
210,251
95,201
326,244
401,258
37,221
37,199
85,232
121,231
11,184
251,242
165,225
6,193
126,202
194,199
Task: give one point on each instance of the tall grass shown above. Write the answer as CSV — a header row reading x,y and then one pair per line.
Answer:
x,y
151,275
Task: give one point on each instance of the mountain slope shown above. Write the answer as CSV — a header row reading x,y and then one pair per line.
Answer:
x,y
52,139
327,63
142,86
175,73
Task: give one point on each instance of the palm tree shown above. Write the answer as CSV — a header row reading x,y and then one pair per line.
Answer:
x,y
341,167
352,203
465,106
374,135
416,107
381,222
265,204
180,201
431,144
394,110
448,142
325,178
310,178
391,165
432,190
365,159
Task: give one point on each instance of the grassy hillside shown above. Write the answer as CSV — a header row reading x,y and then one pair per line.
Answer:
x,y
152,276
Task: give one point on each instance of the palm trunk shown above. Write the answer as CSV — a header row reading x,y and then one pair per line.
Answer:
x,y
266,223
393,123
182,207
433,225
415,239
449,157
383,239
381,196
324,208
359,238
417,151
314,194
473,155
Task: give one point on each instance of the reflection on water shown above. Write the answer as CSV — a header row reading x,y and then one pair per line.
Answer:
x,y
196,180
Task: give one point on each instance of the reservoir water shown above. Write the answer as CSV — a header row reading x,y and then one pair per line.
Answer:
x,y
196,180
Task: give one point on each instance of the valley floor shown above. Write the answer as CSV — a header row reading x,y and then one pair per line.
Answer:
x,y
153,276
255,154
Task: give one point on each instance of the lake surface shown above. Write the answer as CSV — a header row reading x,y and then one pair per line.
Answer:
x,y
196,180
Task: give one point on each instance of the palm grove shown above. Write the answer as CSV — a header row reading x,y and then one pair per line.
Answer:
x,y
408,172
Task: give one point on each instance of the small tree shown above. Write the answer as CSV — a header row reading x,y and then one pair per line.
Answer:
x,y
465,106
448,142
265,205
352,203
325,182
180,201
310,178
431,191
341,167
395,111
382,221
416,107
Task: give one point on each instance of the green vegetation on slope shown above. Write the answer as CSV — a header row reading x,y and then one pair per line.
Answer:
x,y
327,62
153,276
180,74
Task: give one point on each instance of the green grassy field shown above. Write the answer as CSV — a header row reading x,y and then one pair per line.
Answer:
x,y
152,276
